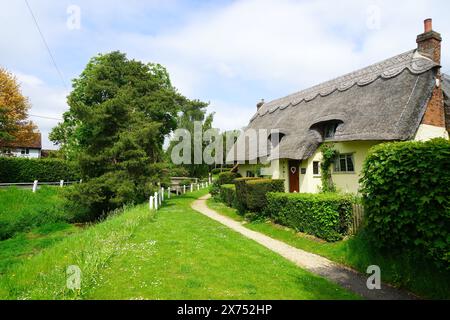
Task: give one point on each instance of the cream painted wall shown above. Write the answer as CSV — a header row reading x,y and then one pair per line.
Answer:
x,y
310,183
427,132
349,182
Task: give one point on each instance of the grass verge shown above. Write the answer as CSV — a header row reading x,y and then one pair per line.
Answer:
x,y
405,271
22,210
175,253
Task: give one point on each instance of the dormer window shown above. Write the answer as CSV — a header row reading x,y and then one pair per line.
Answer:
x,y
330,130
274,139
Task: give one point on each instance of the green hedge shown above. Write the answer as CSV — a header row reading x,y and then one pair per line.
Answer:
x,y
227,177
228,194
406,193
27,170
219,170
326,215
251,193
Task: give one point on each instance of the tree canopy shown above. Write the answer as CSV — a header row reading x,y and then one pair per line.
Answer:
x,y
15,128
120,113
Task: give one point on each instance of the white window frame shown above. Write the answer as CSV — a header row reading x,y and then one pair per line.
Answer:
x,y
344,156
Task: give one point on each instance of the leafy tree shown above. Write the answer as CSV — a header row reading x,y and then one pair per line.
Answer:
x,y
120,112
193,111
15,128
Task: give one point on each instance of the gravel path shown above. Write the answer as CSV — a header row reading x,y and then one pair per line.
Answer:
x,y
339,274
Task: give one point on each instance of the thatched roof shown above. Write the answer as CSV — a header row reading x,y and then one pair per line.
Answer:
x,y
385,101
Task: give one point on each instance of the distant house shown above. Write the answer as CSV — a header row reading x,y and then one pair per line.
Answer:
x,y
397,99
32,149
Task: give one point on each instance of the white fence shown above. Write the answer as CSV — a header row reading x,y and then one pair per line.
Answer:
x,y
35,184
155,201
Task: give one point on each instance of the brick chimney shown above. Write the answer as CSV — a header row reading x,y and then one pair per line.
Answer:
x,y
429,42
429,45
259,104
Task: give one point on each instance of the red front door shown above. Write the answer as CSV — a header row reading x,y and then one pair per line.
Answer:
x,y
294,180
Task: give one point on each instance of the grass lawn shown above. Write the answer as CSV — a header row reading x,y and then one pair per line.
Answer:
x,y
22,210
175,253
404,271
23,246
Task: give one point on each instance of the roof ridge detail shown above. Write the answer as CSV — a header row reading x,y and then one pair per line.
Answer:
x,y
386,69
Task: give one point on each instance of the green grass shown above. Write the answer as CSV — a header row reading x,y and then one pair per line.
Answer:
x,y
175,253
406,271
23,246
22,210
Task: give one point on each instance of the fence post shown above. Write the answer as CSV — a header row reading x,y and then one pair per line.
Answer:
x,y
184,188
209,178
150,202
162,194
168,193
198,186
61,183
35,183
155,198
192,187
81,180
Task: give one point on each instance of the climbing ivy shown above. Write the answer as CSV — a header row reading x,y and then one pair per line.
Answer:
x,y
328,156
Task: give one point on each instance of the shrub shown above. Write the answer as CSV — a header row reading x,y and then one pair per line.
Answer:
x,y
228,194
224,178
257,190
406,193
252,193
227,177
219,170
27,170
326,215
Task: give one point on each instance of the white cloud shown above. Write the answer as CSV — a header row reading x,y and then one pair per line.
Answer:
x,y
45,100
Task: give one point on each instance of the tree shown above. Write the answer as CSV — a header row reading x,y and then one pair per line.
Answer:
x,y
15,128
120,112
193,111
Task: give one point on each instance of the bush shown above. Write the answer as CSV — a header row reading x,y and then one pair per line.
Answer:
x,y
252,193
227,178
27,170
228,194
219,170
326,215
406,192
224,178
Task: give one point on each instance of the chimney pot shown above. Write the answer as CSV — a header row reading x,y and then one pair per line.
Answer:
x,y
428,25
259,104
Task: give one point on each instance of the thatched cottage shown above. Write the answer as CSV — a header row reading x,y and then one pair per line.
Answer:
x,y
398,99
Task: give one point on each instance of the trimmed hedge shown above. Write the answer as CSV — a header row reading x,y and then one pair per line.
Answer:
x,y
252,193
228,194
219,170
227,177
406,193
15,170
325,215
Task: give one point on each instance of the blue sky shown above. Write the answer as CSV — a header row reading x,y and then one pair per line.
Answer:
x,y
228,53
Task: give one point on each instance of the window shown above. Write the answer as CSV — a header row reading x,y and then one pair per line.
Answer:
x,y
330,130
27,151
250,174
344,163
316,167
